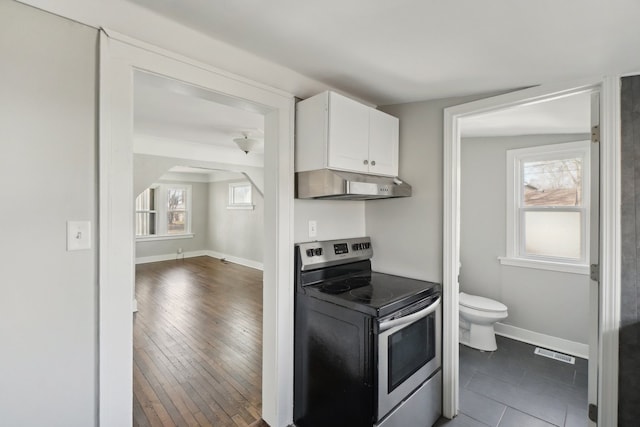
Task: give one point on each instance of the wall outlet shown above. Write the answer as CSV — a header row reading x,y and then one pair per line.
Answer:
x,y
313,228
179,251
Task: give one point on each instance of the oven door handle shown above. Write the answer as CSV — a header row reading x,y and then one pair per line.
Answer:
x,y
405,320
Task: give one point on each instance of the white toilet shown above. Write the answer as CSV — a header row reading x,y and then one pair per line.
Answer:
x,y
477,316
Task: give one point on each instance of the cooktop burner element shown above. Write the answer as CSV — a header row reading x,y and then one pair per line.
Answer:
x,y
334,287
370,295
358,282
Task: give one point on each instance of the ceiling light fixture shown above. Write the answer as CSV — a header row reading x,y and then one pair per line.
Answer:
x,y
246,144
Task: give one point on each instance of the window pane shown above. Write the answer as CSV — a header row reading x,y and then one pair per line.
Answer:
x,y
177,199
242,194
176,223
553,182
554,234
145,223
145,201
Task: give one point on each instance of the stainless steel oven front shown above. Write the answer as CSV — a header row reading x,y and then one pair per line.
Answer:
x,y
409,344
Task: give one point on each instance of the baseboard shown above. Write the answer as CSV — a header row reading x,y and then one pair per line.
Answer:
x,y
213,254
546,341
236,260
169,257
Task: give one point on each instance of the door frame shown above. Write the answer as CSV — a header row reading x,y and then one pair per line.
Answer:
x,y
120,56
609,305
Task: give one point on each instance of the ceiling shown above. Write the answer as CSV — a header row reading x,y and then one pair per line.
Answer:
x,y
401,51
170,109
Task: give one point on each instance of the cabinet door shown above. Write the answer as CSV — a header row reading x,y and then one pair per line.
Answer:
x,y
383,143
348,142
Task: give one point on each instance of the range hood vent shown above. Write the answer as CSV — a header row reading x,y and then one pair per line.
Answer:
x,y
330,184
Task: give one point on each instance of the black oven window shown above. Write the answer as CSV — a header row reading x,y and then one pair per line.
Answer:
x,y
410,349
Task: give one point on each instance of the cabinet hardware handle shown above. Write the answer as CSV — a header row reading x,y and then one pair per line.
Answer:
x,y
366,162
373,162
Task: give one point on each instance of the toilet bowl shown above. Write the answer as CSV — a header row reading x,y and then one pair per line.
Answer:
x,y
477,317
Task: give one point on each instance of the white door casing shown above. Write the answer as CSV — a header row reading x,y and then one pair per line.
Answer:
x,y
120,56
594,255
609,259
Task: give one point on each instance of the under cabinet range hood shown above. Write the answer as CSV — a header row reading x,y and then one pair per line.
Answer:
x,y
328,184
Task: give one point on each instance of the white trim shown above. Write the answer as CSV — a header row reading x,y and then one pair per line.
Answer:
x,y
609,233
232,201
114,35
157,237
546,341
118,61
610,256
545,265
242,207
192,254
236,260
170,257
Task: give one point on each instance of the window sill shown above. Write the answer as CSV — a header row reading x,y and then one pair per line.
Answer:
x,y
164,237
545,265
242,207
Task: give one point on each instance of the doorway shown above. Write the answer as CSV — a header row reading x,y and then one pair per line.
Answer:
x,y
120,57
525,198
605,381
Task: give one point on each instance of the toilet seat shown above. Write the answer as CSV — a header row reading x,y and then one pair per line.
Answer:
x,y
481,304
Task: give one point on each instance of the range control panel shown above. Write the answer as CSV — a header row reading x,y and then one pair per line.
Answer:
x,y
326,253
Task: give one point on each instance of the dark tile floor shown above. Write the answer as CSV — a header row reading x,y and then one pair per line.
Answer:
x,y
512,387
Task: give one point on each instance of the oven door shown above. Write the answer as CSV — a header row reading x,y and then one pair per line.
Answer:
x,y
408,352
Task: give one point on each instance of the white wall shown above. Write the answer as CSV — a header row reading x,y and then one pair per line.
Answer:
x,y
199,226
135,21
48,305
548,302
235,232
407,232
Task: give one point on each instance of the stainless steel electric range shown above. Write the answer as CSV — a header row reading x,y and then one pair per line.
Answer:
x,y
367,344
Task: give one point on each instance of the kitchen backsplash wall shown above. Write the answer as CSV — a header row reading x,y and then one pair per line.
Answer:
x,y
335,219
407,233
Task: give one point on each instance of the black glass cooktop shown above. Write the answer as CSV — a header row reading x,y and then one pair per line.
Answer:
x,y
373,293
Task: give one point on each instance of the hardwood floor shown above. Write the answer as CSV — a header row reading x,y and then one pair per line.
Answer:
x,y
197,352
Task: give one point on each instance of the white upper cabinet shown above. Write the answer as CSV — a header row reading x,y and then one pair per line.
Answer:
x,y
348,142
383,143
333,131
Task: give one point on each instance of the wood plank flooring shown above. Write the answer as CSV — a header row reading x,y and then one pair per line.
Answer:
x,y
197,352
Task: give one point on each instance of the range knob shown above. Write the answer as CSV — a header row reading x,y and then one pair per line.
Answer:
x,y
317,251
309,252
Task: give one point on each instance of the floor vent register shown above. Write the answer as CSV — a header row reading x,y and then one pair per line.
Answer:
x,y
555,355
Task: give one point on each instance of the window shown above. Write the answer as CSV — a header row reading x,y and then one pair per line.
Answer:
x,y
163,211
177,210
240,196
146,213
548,206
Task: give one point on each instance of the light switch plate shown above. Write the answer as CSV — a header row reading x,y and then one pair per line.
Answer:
x,y
78,235
313,228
